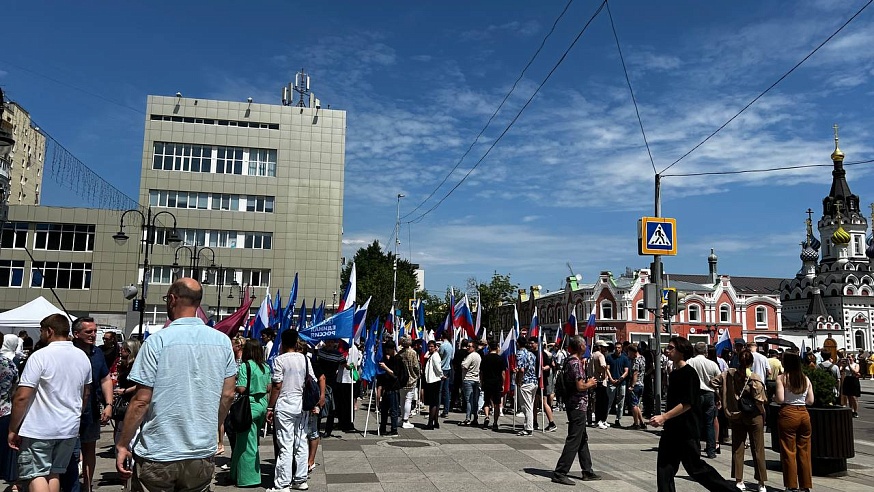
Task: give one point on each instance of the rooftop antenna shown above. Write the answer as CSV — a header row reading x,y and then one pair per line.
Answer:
x,y
301,86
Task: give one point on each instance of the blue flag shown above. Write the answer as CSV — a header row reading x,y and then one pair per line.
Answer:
x,y
337,327
302,316
288,312
371,363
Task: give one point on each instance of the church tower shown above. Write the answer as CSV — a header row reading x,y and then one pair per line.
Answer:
x,y
842,226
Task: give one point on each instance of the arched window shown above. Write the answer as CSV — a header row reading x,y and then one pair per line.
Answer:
x,y
694,313
641,311
761,317
606,310
725,313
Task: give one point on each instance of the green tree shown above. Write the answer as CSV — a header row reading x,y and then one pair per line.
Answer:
x,y
500,290
374,271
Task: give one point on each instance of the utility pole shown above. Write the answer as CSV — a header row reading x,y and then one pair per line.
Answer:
x,y
394,288
657,325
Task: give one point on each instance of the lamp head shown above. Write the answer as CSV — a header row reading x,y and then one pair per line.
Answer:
x,y
129,291
120,237
173,238
176,268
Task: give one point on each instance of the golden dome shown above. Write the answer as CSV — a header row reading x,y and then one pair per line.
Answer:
x,y
841,236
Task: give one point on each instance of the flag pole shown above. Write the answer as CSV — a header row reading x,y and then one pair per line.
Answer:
x,y
540,371
367,419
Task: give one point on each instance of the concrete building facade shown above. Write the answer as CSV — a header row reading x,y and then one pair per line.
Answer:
x,y
256,191
26,158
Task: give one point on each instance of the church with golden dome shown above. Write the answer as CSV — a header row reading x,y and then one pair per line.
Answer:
x,y
832,295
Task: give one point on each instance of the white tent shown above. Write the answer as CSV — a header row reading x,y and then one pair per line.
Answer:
x,y
27,317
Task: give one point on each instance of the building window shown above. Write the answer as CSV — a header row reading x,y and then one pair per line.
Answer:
x,y
761,317
225,202
256,278
64,237
259,204
60,275
166,274
14,235
262,162
258,240
182,157
230,277
223,239
11,273
694,313
606,310
641,311
858,245
229,160
725,313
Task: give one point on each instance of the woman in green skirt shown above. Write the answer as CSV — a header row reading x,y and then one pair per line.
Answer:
x,y
245,460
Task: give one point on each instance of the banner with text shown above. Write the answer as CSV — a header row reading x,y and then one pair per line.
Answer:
x,y
336,327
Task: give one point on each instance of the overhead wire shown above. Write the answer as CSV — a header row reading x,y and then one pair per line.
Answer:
x,y
495,113
767,170
693,149
515,118
628,81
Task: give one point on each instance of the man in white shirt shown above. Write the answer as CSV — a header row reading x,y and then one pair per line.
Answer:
x,y
599,372
760,362
707,370
47,406
344,390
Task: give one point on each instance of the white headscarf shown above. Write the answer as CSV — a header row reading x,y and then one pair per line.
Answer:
x,y
10,346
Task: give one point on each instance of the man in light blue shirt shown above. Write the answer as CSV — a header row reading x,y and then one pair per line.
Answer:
x,y
447,353
185,377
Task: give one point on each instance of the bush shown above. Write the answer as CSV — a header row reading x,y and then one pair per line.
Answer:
x,y
824,384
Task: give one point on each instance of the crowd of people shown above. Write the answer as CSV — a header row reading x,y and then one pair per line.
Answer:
x,y
169,396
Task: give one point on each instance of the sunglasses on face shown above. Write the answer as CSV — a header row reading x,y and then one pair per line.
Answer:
x,y
671,347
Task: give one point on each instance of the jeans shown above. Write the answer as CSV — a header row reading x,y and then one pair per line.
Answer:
x,y
445,389
576,444
471,399
708,413
409,396
70,479
616,393
388,406
291,435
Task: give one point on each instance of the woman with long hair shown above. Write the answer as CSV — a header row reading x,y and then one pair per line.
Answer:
x,y
735,385
794,392
851,390
433,376
254,373
125,388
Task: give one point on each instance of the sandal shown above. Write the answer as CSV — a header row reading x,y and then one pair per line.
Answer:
x,y
220,451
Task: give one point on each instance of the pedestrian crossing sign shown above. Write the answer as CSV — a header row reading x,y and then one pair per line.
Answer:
x,y
657,236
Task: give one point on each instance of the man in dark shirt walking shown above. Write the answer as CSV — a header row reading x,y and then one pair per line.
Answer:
x,y
390,381
680,439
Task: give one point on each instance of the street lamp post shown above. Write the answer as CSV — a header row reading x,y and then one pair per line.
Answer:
x,y
194,254
240,289
394,288
149,230
220,273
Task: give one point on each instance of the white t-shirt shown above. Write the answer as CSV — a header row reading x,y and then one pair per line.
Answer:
x,y
344,375
288,369
58,373
760,365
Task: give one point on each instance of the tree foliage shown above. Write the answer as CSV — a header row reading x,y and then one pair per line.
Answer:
x,y
374,271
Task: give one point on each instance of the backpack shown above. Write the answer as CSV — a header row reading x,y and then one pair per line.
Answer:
x,y
402,376
562,387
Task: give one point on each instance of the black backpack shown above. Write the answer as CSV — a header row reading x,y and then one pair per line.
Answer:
x,y
562,386
402,376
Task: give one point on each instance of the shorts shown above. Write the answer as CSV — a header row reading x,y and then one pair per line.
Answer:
x,y
493,396
44,457
192,475
89,431
550,386
313,427
636,394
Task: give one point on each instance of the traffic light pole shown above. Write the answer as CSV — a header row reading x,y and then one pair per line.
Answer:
x,y
657,325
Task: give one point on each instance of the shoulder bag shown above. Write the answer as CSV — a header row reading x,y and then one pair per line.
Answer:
x,y
747,405
311,392
241,409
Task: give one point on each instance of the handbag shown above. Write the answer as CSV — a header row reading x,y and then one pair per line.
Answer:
x,y
241,409
748,405
119,407
311,392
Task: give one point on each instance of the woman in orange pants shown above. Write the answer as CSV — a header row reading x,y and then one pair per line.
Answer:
x,y
794,392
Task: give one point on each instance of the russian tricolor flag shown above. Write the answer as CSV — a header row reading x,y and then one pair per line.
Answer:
x,y
508,352
590,326
350,293
534,328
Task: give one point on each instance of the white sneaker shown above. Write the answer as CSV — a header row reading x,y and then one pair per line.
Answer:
x,y
520,414
300,486
283,489
762,488
603,425
407,425
740,486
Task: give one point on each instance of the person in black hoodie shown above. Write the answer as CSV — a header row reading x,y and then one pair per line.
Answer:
x,y
391,380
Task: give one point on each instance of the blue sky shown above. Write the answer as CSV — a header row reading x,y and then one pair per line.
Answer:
x,y
419,80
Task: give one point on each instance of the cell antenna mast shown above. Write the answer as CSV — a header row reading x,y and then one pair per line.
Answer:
x,y
301,86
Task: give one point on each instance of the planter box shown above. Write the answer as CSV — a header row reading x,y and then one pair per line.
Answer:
x,y
831,438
